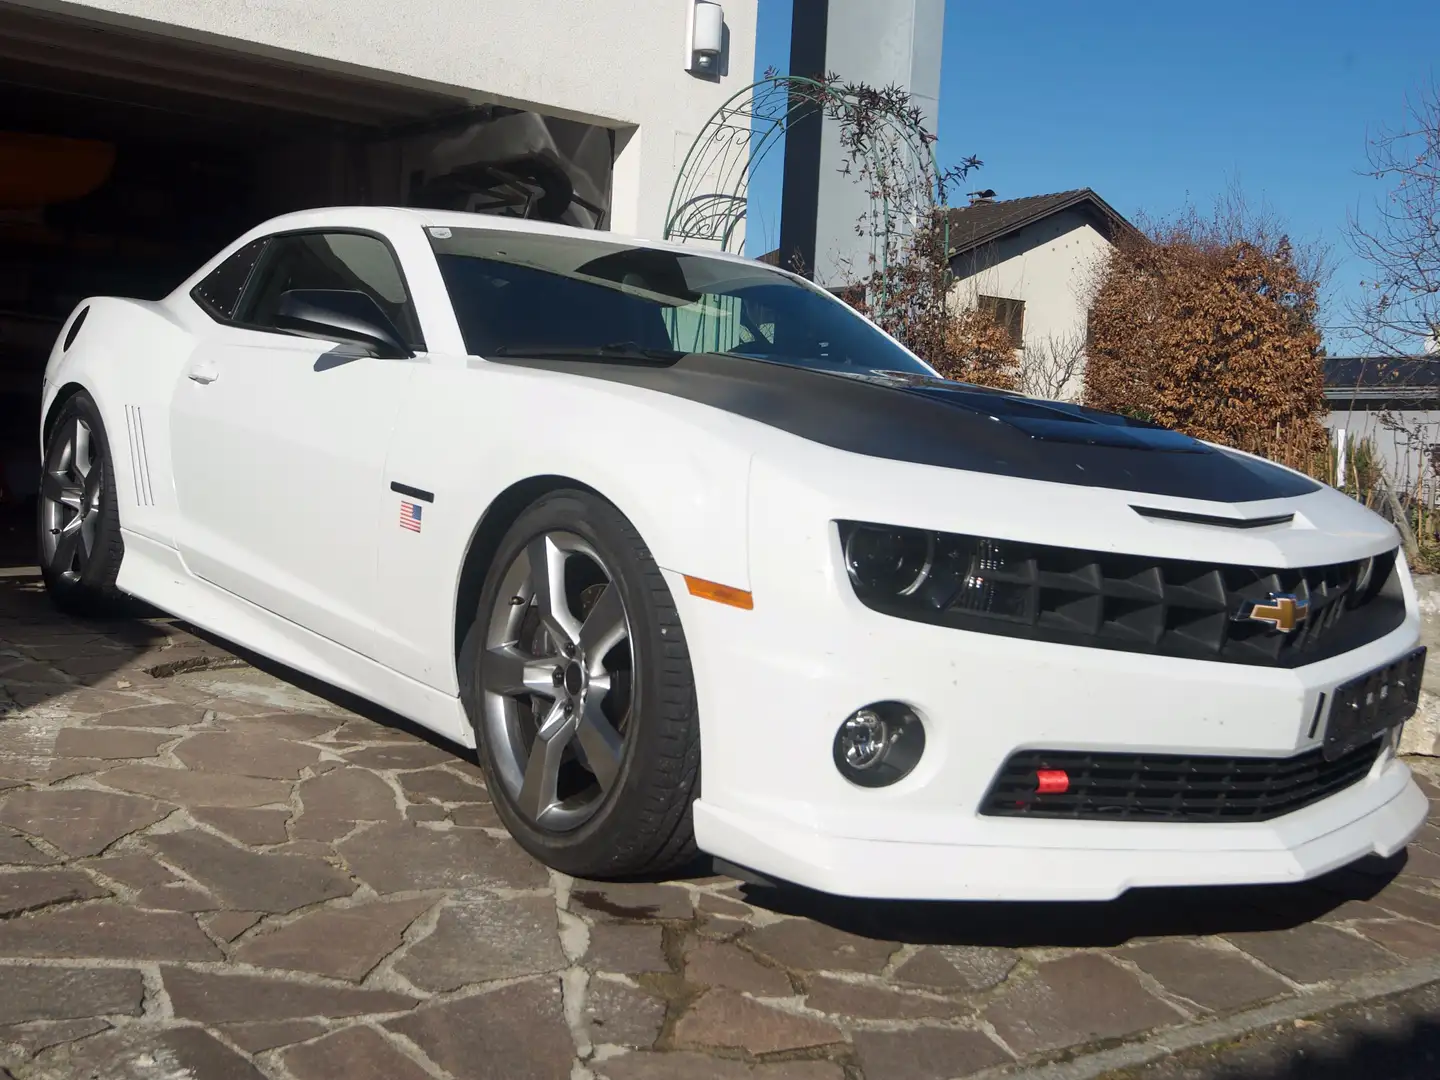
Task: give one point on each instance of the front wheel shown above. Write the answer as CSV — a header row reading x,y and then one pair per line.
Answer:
x,y
79,522
577,679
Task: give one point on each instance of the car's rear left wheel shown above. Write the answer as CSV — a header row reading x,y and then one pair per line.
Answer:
x,y
80,546
577,680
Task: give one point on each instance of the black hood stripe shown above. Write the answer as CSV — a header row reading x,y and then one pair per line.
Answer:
x,y
954,426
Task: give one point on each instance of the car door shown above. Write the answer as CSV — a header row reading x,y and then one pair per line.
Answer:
x,y
279,441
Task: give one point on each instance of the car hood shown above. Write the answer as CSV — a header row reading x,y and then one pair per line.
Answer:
x,y
952,425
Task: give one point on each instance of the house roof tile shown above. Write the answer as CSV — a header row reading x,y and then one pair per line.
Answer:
x,y
985,222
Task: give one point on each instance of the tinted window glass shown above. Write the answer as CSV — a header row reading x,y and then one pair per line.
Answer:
x,y
219,293
515,293
331,261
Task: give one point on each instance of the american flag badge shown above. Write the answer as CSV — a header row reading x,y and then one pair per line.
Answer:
x,y
410,515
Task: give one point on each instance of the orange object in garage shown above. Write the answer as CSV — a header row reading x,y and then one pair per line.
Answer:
x,y
37,170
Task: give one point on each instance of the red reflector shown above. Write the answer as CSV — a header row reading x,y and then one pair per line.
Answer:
x,y
1052,781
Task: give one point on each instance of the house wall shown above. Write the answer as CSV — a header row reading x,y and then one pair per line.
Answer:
x,y
1050,265
1402,439
599,61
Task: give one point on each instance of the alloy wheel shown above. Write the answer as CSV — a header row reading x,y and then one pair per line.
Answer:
x,y
70,490
556,673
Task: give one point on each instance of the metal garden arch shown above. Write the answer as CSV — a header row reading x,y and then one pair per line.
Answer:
x,y
885,147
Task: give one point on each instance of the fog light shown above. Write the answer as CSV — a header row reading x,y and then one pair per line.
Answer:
x,y
879,744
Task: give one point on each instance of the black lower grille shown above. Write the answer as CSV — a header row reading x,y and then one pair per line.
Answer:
x,y
1169,787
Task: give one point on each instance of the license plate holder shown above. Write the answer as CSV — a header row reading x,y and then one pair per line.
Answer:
x,y
1372,703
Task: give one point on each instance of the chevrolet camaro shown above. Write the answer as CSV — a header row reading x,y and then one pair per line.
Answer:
x,y
698,558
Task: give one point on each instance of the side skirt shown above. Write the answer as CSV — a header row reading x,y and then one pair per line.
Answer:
x,y
155,573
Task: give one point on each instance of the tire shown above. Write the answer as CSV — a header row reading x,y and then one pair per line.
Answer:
x,y
78,521
611,811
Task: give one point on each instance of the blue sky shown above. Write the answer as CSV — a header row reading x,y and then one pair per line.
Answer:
x,y
1153,104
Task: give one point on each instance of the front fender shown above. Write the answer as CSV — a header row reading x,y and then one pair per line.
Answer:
x,y
471,431
126,356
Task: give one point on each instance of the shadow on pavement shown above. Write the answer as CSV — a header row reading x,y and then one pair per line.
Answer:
x,y
17,534
45,653
341,699
1140,913
1394,1038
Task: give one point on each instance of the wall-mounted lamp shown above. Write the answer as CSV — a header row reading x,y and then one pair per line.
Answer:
x,y
704,37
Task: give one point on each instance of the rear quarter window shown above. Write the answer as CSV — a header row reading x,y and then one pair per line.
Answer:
x,y
220,291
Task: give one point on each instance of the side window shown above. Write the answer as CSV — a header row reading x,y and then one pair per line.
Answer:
x,y
219,292
330,261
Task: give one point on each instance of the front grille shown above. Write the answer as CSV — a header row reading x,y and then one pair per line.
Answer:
x,y
1134,603
1190,609
1171,787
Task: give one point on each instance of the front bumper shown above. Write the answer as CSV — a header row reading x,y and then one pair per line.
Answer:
x,y
1070,860
775,683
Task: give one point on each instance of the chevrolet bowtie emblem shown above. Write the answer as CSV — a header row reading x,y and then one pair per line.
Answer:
x,y
1283,611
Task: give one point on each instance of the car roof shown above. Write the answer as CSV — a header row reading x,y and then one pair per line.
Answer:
x,y
383,217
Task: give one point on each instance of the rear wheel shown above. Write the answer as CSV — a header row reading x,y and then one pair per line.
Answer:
x,y
578,681
79,523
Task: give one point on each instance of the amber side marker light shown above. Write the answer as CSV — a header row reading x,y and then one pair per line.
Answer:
x,y
721,594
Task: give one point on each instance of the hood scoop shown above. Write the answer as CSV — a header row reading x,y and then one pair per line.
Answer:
x,y
1212,519
1046,421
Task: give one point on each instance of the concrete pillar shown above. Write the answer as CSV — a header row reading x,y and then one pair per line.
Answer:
x,y
877,42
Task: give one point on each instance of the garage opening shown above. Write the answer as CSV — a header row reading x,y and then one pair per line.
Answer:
x,y
129,156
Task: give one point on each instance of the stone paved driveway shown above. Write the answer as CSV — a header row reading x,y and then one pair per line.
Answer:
x,y
209,867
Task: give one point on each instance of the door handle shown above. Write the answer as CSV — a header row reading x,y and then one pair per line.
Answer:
x,y
203,372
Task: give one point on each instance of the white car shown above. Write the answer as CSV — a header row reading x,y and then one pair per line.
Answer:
x,y
699,558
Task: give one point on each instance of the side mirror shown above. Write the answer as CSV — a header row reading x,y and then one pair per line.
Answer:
x,y
346,315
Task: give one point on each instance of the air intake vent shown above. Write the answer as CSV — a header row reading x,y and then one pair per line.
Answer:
x,y
1168,787
1211,519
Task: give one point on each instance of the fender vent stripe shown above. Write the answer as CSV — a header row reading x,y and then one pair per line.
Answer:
x,y
139,459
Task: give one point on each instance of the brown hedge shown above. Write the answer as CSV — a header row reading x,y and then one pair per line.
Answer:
x,y
1213,335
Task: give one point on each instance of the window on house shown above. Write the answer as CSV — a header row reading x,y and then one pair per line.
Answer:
x,y
1008,313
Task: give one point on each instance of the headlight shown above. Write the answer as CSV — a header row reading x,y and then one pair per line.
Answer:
x,y
1364,576
1367,571
1372,576
988,584
898,568
888,562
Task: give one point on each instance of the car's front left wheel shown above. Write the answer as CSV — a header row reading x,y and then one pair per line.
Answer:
x,y
576,677
80,546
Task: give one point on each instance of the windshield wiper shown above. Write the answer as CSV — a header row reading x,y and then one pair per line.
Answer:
x,y
616,350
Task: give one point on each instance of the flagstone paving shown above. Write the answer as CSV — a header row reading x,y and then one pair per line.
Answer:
x,y
210,867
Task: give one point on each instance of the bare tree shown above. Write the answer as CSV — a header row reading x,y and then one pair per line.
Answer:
x,y
1053,367
1399,307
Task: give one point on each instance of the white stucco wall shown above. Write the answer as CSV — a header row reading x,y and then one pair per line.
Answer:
x,y
1402,438
619,63
1050,265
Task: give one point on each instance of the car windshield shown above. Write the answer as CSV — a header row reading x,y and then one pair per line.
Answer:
x,y
539,295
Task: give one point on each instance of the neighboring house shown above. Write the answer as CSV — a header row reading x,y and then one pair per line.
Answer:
x,y
1392,402
1033,262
